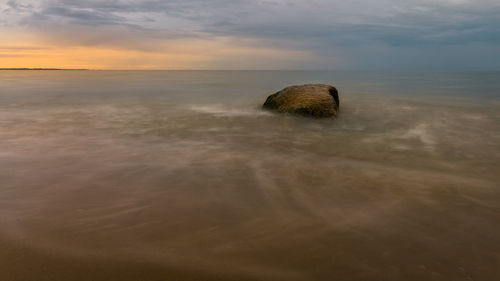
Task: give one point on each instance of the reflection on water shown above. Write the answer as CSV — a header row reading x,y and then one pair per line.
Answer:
x,y
129,182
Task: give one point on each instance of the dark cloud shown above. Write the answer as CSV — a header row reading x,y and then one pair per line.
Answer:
x,y
13,4
84,16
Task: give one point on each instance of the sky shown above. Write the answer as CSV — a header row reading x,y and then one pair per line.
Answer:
x,y
251,34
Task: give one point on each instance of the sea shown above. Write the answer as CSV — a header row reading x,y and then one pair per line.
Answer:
x,y
181,175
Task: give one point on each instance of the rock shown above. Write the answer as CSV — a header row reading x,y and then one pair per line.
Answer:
x,y
316,100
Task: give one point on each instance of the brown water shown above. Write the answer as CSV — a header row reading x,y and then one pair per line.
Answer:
x,y
181,176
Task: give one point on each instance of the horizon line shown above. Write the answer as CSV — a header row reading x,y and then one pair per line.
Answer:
x,y
104,69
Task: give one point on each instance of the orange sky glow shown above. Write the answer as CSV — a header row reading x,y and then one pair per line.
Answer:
x,y
24,49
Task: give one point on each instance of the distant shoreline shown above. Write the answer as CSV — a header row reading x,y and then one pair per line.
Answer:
x,y
268,70
43,69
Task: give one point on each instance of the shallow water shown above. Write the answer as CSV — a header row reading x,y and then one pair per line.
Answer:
x,y
169,175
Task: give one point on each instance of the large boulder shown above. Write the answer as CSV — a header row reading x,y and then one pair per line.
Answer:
x,y
316,100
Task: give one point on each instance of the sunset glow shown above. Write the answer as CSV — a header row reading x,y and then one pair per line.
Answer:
x,y
31,52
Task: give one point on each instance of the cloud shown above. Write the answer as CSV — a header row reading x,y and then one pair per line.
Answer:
x,y
322,30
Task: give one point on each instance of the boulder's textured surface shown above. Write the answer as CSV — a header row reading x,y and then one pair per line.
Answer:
x,y
316,100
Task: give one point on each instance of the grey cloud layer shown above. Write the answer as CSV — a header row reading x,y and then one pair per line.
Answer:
x,y
326,28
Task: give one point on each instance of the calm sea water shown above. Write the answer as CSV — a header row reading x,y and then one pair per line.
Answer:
x,y
166,175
